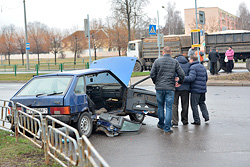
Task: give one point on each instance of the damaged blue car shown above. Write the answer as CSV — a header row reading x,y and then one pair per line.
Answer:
x,y
96,98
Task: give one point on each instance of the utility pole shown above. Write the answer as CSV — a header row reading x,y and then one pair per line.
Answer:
x,y
26,35
89,42
198,55
158,36
168,20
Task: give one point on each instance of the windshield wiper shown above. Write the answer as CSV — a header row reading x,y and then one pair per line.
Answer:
x,y
40,94
56,93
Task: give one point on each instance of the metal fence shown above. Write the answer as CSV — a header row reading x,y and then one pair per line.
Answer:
x,y
44,67
5,111
44,133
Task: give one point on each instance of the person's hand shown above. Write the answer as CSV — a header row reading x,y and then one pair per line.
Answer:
x,y
177,85
176,79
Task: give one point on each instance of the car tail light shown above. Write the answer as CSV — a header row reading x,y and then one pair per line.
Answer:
x,y
59,110
18,108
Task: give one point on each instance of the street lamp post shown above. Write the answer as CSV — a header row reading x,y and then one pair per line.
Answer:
x,y
26,36
168,20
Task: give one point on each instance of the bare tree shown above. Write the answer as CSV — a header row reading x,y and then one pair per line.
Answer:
x,y
118,33
76,43
20,42
8,40
129,10
244,17
174,23
38,33
55,41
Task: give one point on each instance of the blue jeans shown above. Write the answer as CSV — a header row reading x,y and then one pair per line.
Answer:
x,y
165,97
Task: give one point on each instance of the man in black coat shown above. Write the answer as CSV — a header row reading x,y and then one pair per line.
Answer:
x,y
183,93
213,56
163,76
198,87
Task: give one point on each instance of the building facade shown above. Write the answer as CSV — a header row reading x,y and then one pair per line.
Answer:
x,y
216,20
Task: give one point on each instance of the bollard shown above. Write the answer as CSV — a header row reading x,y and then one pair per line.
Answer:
x,y
37,67
61,66
15,68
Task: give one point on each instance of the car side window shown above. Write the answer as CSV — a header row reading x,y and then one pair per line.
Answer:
x,y
79,89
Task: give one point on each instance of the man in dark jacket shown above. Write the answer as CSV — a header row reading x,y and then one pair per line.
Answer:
x,y
198,87
163,76
213,56
183,92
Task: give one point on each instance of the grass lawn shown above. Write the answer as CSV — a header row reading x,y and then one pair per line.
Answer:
x,y
23,153
17,78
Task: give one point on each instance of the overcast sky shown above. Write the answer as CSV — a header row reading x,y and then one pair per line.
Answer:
x,y
66,14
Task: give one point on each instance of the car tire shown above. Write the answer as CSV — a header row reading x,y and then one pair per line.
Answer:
x,y
85,124
137,117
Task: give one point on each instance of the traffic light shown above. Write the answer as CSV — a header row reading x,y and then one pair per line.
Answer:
x,y
201,17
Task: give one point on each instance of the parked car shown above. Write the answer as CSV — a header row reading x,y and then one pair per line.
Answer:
x,y
79,97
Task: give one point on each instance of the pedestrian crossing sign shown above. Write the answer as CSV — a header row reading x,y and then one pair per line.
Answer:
x,y
152,29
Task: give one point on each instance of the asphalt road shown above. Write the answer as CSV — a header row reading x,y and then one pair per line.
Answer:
x,y
222,142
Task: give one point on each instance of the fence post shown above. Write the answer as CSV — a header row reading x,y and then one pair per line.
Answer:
x,y
87,65
61,66
15,68
37,67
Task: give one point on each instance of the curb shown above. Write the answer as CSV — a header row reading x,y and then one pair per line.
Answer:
x,y
228,84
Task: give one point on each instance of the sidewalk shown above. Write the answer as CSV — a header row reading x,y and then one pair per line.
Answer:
x,y
211,81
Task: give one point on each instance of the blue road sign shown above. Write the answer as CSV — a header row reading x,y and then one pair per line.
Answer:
x,y
27,46
152,30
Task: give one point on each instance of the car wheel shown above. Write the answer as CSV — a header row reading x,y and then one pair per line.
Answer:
x,y
136,117
85,124
138,67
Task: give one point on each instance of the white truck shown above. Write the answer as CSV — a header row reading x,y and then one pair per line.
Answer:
x,y
146,49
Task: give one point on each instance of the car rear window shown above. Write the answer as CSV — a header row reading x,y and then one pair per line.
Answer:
x,y
46,86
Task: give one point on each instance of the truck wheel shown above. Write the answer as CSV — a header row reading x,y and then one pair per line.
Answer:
x,y
85,124
248,64
136,117
236,59
218,66
244,60
138,67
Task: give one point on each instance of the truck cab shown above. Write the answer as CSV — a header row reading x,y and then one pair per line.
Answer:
x,y
134,48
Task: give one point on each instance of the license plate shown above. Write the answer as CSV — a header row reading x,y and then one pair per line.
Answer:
x,y
41,110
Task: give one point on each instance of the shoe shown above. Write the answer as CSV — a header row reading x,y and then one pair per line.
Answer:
x,y
168,132
175,125
158,126
217,74
206,120
196,123
185,123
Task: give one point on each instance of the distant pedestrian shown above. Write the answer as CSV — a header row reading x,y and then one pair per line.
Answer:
x,y
213,56
230,56
183,93
163,76
191,52
198,87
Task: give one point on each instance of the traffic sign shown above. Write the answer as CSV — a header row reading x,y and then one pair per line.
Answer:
x,y
27,46
152,29
195,38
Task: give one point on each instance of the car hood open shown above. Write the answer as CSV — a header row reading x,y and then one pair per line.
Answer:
x,y
122,67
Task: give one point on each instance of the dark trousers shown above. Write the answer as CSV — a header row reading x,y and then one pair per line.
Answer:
x,y
184,105
213,66
199,99
229,65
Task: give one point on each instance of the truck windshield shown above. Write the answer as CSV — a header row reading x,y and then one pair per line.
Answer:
x,y
52,85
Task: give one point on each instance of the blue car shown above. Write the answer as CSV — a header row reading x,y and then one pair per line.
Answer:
x,y
79,97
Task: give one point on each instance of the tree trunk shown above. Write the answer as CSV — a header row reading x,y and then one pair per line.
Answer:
x,y
55,58
38,59
9,57
22,59
75,57
95,53
119,50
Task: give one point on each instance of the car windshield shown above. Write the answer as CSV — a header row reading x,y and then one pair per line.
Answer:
x,y
49,86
